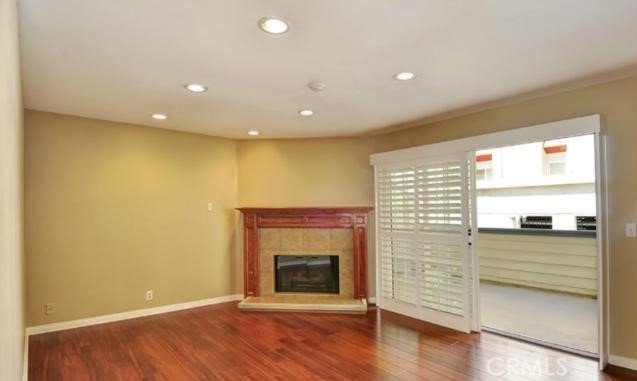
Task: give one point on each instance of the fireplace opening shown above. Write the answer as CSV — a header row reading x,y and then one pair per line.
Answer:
x,y
306,273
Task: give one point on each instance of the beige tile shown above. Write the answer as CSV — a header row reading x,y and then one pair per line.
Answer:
x,y
342,239
345,259
269,238
316,239
266,272
266,284
346,274
289,252
346,284
266,261
292,239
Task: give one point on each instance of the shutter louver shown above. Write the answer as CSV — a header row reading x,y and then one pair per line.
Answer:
x,y
423,220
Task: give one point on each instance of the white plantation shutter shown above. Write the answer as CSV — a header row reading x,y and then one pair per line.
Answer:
x,y
423,246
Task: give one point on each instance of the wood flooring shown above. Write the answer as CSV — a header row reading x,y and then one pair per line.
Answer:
x,y
222,343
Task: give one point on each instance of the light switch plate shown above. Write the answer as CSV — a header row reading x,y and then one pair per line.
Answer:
x,y
631,230
210,206
50,309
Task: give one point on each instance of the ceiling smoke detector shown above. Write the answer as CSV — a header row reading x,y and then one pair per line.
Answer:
x,y
316,86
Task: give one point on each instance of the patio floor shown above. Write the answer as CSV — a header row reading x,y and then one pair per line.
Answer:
x,y
558,318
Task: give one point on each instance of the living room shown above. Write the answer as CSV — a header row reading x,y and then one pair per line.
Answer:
x,y
286,190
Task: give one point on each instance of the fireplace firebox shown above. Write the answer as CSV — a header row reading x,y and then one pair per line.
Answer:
x,y
306,273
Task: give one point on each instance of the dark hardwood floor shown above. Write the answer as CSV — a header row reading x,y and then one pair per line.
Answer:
x,y
221,343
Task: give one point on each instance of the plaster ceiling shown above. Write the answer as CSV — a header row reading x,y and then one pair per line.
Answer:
x,y
123,60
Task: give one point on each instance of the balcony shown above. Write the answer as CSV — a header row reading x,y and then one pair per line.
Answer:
x,y
540,284
564,261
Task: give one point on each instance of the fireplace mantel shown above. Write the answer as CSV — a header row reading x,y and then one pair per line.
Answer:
x,y
312,217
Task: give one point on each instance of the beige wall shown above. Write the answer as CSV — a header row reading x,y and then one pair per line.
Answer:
x,y
305,172
113,210
11,279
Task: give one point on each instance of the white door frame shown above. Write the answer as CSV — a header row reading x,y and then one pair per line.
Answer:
x,y
585,125
603,251
476,325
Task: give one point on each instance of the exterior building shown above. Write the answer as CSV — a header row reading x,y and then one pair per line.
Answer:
x,y
545,185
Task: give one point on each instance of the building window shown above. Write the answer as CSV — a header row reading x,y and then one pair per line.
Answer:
x,y
556,168
536,222
484,166
484,174
554,159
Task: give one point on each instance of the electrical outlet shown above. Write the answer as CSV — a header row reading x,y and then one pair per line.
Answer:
x,y
631,230
49,309
149,295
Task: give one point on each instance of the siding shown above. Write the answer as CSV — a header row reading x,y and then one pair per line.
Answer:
x,y
566,264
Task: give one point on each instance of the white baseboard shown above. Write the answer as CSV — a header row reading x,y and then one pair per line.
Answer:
x,y
371,300
25,358
129,315
624,362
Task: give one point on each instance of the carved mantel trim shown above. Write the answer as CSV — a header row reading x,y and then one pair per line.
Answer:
x,y
313,217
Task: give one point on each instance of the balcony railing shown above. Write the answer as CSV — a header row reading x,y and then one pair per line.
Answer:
x,y
564,261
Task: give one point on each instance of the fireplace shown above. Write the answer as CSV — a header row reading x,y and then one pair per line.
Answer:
x,y
306,273
332,231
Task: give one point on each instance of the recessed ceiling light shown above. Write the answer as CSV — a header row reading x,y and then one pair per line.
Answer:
x,y
273,25
196,88
160,116
253,133
405,76
306,112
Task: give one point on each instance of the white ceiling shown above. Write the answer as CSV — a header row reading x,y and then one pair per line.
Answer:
x,y
123,60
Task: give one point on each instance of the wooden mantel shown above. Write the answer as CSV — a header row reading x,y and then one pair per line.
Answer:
x,y
313,217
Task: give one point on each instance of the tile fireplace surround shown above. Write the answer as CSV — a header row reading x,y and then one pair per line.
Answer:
x,y
305,231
